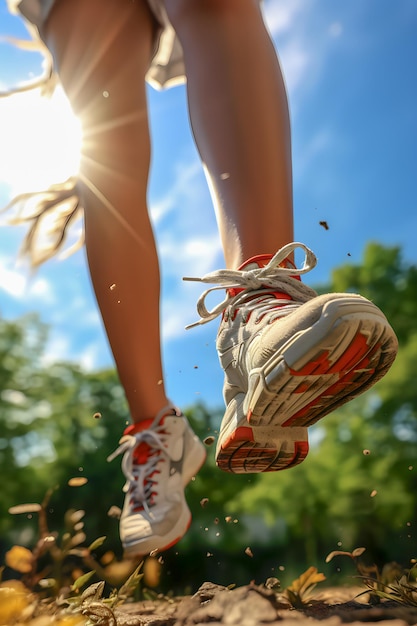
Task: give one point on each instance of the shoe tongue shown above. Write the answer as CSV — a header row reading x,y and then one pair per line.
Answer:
x,y
256,262
141,452
261,260
138,427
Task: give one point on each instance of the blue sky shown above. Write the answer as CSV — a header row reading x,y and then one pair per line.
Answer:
x,y
350,74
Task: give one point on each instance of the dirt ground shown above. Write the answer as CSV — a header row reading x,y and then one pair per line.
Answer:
x,y
254,605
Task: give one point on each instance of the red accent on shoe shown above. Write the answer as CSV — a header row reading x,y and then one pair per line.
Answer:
x,y
261,260
301,451
138,427
141,451
356,358
175,540
242,433
358,348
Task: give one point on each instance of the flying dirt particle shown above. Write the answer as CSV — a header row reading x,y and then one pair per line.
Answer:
x,y
216,520
272,583
108,557
209,440
196,367
77,481
159,382
152,572
114,512
105,94
281,568
25,508
366,452
113,287
224,176
249,552
209,554
228,519
410,467
349,254
324,224
373,493
97,416
204,502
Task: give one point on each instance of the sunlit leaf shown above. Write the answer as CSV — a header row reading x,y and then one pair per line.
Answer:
x,y
82,580
308,579
331,556
97,543
19,559
358,552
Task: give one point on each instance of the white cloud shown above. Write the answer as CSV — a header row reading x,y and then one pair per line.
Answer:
x,y
63,347
285,22
12,282
185,188
57,349
18,284
41,289
335,29
198,256
281,16
320,142
89,359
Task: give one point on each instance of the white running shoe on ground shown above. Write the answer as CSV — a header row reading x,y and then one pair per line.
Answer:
x,y
289,356
160,457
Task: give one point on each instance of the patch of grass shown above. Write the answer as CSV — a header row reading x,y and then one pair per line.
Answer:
x,y
392,582
56,561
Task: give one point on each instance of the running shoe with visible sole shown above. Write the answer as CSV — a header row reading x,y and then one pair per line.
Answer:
x,y
160,457
290,357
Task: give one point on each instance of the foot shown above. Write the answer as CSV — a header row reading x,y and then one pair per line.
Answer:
x,y
160,457
290,357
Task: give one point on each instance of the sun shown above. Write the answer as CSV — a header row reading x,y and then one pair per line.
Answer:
x,y
40,141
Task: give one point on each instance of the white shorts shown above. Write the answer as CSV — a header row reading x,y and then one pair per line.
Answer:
x,y
167,66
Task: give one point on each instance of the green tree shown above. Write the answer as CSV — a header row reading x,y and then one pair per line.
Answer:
x,y
49,433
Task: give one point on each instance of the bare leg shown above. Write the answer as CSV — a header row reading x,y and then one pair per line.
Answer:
x,y
239,114
102,51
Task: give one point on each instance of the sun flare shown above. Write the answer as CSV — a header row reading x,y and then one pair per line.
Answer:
x,y
40,141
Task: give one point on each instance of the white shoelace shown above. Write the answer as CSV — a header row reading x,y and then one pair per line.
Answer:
x,y
272,275
139,476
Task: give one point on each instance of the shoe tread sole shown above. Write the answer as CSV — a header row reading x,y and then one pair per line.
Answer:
x,y
352,353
